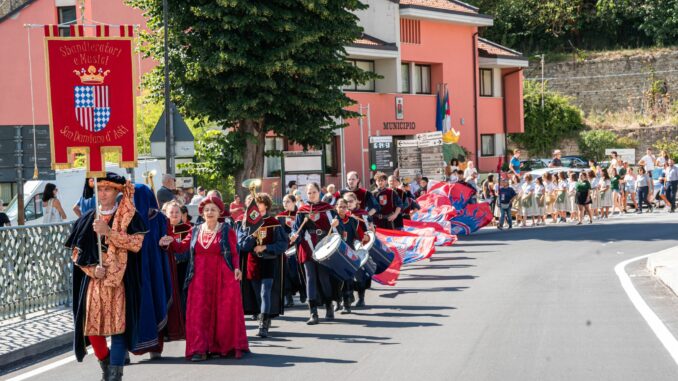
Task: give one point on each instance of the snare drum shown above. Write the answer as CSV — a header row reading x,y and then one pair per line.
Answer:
x,y
368,265
335,254
381,255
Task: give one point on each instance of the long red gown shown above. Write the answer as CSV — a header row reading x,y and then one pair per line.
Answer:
x,y
215,321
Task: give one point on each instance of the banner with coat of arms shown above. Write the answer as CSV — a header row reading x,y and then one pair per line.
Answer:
x,y
91,96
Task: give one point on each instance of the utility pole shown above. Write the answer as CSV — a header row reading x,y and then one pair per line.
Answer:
x,y
542,81
169,133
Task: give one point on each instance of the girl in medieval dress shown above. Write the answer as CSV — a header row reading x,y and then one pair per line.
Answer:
x,y
315,220
215,323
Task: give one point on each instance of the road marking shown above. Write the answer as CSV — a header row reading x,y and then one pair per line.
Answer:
x,y
46,368
660,330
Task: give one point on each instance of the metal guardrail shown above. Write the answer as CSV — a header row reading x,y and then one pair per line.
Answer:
x,y
35,269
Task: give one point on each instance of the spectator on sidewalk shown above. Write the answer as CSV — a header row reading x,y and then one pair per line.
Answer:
x,y
236,208
515,164
648,160
423,187
166,191
470,170
583,198
643,189
671,177
199,196
506,196
329,196
556,162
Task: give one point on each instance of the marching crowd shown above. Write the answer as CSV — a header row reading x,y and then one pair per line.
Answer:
x,y
144,274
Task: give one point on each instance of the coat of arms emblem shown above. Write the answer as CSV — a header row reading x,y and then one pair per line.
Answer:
x,y
383,200
92,99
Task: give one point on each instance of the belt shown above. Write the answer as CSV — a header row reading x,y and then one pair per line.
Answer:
x,y
317,232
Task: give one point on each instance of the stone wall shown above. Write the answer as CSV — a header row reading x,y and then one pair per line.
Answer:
x,y
612,82
646,137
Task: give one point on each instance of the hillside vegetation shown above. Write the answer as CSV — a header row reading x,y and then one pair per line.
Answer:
x,y
568,26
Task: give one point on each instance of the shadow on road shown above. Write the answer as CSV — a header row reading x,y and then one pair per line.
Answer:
x,y
442,257
436,277
401,291
251,359
606,232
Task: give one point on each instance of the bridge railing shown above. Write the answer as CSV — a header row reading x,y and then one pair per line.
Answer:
x,y
35,269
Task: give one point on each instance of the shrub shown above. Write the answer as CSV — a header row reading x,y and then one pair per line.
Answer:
x,y
670,146
592,143
546,128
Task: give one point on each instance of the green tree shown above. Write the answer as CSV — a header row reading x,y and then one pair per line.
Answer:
x,y
545,128
592,143
255,66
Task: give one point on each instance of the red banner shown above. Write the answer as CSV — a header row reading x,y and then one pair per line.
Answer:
x,y
91,89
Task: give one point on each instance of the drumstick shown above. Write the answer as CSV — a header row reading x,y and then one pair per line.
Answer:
x,y
301,226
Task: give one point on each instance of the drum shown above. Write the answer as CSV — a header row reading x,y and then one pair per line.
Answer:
x,y
335,254
368,265
291,252
381,255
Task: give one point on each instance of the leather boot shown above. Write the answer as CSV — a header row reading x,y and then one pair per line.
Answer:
x,y
267,323
104,364
338,307
263,332
361,299
115,373
347,306
314,313
329,311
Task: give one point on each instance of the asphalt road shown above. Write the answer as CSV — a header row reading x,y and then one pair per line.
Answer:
x,y
526,304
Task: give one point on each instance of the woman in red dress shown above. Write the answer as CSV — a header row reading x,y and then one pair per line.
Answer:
x,y
215,321
178,262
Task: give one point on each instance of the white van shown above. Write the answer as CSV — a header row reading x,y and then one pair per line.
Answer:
x,y
70,183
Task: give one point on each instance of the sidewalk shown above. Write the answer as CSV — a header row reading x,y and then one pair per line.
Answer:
x,y
39,334
664,266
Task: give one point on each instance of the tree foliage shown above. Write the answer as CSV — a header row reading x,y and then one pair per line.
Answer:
x,y
536,26
255,66
545,128
593,143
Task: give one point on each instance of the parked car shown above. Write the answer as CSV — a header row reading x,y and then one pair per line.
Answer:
x,y
574,162
532,164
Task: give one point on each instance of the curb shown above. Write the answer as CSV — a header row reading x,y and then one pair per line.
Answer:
x,y
664,266
15,359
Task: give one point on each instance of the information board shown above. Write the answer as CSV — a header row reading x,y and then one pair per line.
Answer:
x,y
382,153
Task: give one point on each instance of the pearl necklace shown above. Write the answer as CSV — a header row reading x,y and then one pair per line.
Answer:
x,y
210,234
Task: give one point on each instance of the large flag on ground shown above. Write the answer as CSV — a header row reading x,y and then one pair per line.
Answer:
x,y
434,207
390,276
431,229
471,218
410,247
458,194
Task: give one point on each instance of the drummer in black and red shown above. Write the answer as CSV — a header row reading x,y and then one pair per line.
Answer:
x,y
362,281
390,204
408,198
313,223
262,263
353,230
366,200
294,280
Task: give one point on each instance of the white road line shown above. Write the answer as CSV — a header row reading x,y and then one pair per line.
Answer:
x,y
46,368
663,334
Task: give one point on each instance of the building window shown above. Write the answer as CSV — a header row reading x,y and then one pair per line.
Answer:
x,y
405,75
422,79
332,156
487,145
365,66
486,85
272,160
410,31
66,15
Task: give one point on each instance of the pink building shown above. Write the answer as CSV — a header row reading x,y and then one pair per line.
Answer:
x,y
414,45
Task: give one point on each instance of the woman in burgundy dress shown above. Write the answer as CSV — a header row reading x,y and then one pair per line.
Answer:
x,y
178,263
215,321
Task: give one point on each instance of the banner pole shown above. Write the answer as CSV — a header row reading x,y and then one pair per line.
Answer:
x,y
96,195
